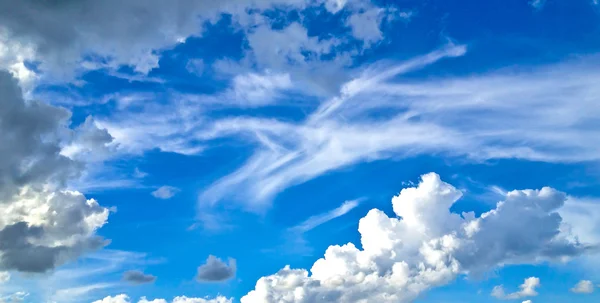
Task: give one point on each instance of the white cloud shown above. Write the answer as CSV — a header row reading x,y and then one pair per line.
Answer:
x,y
116,299
366,25
583,215
165,192
259,89
218,299
427,246
335,6
542,114
527,301
583,287
323,218
72,294
122,298
294,236
328,139
527,289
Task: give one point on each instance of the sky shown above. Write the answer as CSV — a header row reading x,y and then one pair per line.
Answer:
x,y
299,151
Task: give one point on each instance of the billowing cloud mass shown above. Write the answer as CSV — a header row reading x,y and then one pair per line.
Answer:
x,y
427,246
138,277
41,224
527,289
583,287
215,270
182,299
83,35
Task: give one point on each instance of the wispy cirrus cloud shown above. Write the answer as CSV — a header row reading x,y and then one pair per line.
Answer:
x,y
543,114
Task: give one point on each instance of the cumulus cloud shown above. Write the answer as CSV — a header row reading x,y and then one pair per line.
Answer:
x,y
165,192
215,270
116,299
182,299
42,225
527,289
427,246
138,277
527,301
366,25
583,287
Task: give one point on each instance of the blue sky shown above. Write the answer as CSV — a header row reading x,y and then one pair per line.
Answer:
x,y
386,151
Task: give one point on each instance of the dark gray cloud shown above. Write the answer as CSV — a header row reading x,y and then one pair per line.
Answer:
x,y
33,172
26,159
61,31
215,270
138,277
19,253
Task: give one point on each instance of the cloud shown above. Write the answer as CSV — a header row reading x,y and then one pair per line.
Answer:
x,y
471,116
323,218
89,142
107,29
427,246
16,297
215,270
294,242
583,215
116,299
527,289
583,287
72,294
256,89
537,4
138,277
290,153
137,173
4,277
165,192
527,301
195,66
93,274
103,36
42,225
366,25
182,299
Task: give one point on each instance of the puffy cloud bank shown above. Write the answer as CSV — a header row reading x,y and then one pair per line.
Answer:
x,y
42,225
426,246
